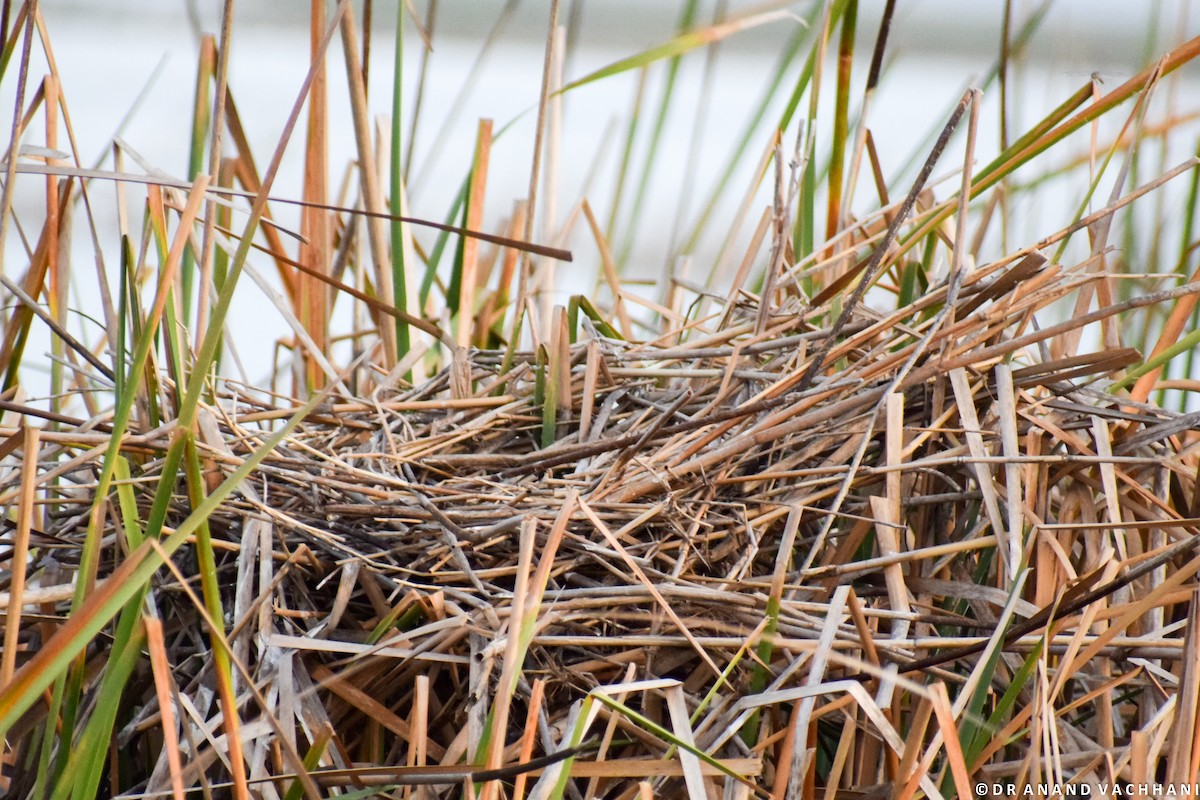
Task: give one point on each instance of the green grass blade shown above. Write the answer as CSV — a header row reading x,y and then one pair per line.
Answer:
x,y
1182,266
207,563
687,20
396,201
680,45
201,120
547,397
623,169
841,120
88,756
312,760
1004,705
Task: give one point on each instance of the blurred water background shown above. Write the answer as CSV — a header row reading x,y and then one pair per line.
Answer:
x,y
128,68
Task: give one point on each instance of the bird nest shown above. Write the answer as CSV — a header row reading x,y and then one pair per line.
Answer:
x,y
726,557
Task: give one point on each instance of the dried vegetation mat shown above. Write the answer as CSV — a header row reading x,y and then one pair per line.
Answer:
x,y
679,565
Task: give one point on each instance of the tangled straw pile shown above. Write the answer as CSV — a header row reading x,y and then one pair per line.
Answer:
x,y
749,566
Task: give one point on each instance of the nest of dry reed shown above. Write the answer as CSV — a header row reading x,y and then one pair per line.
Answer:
x,y
729,557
